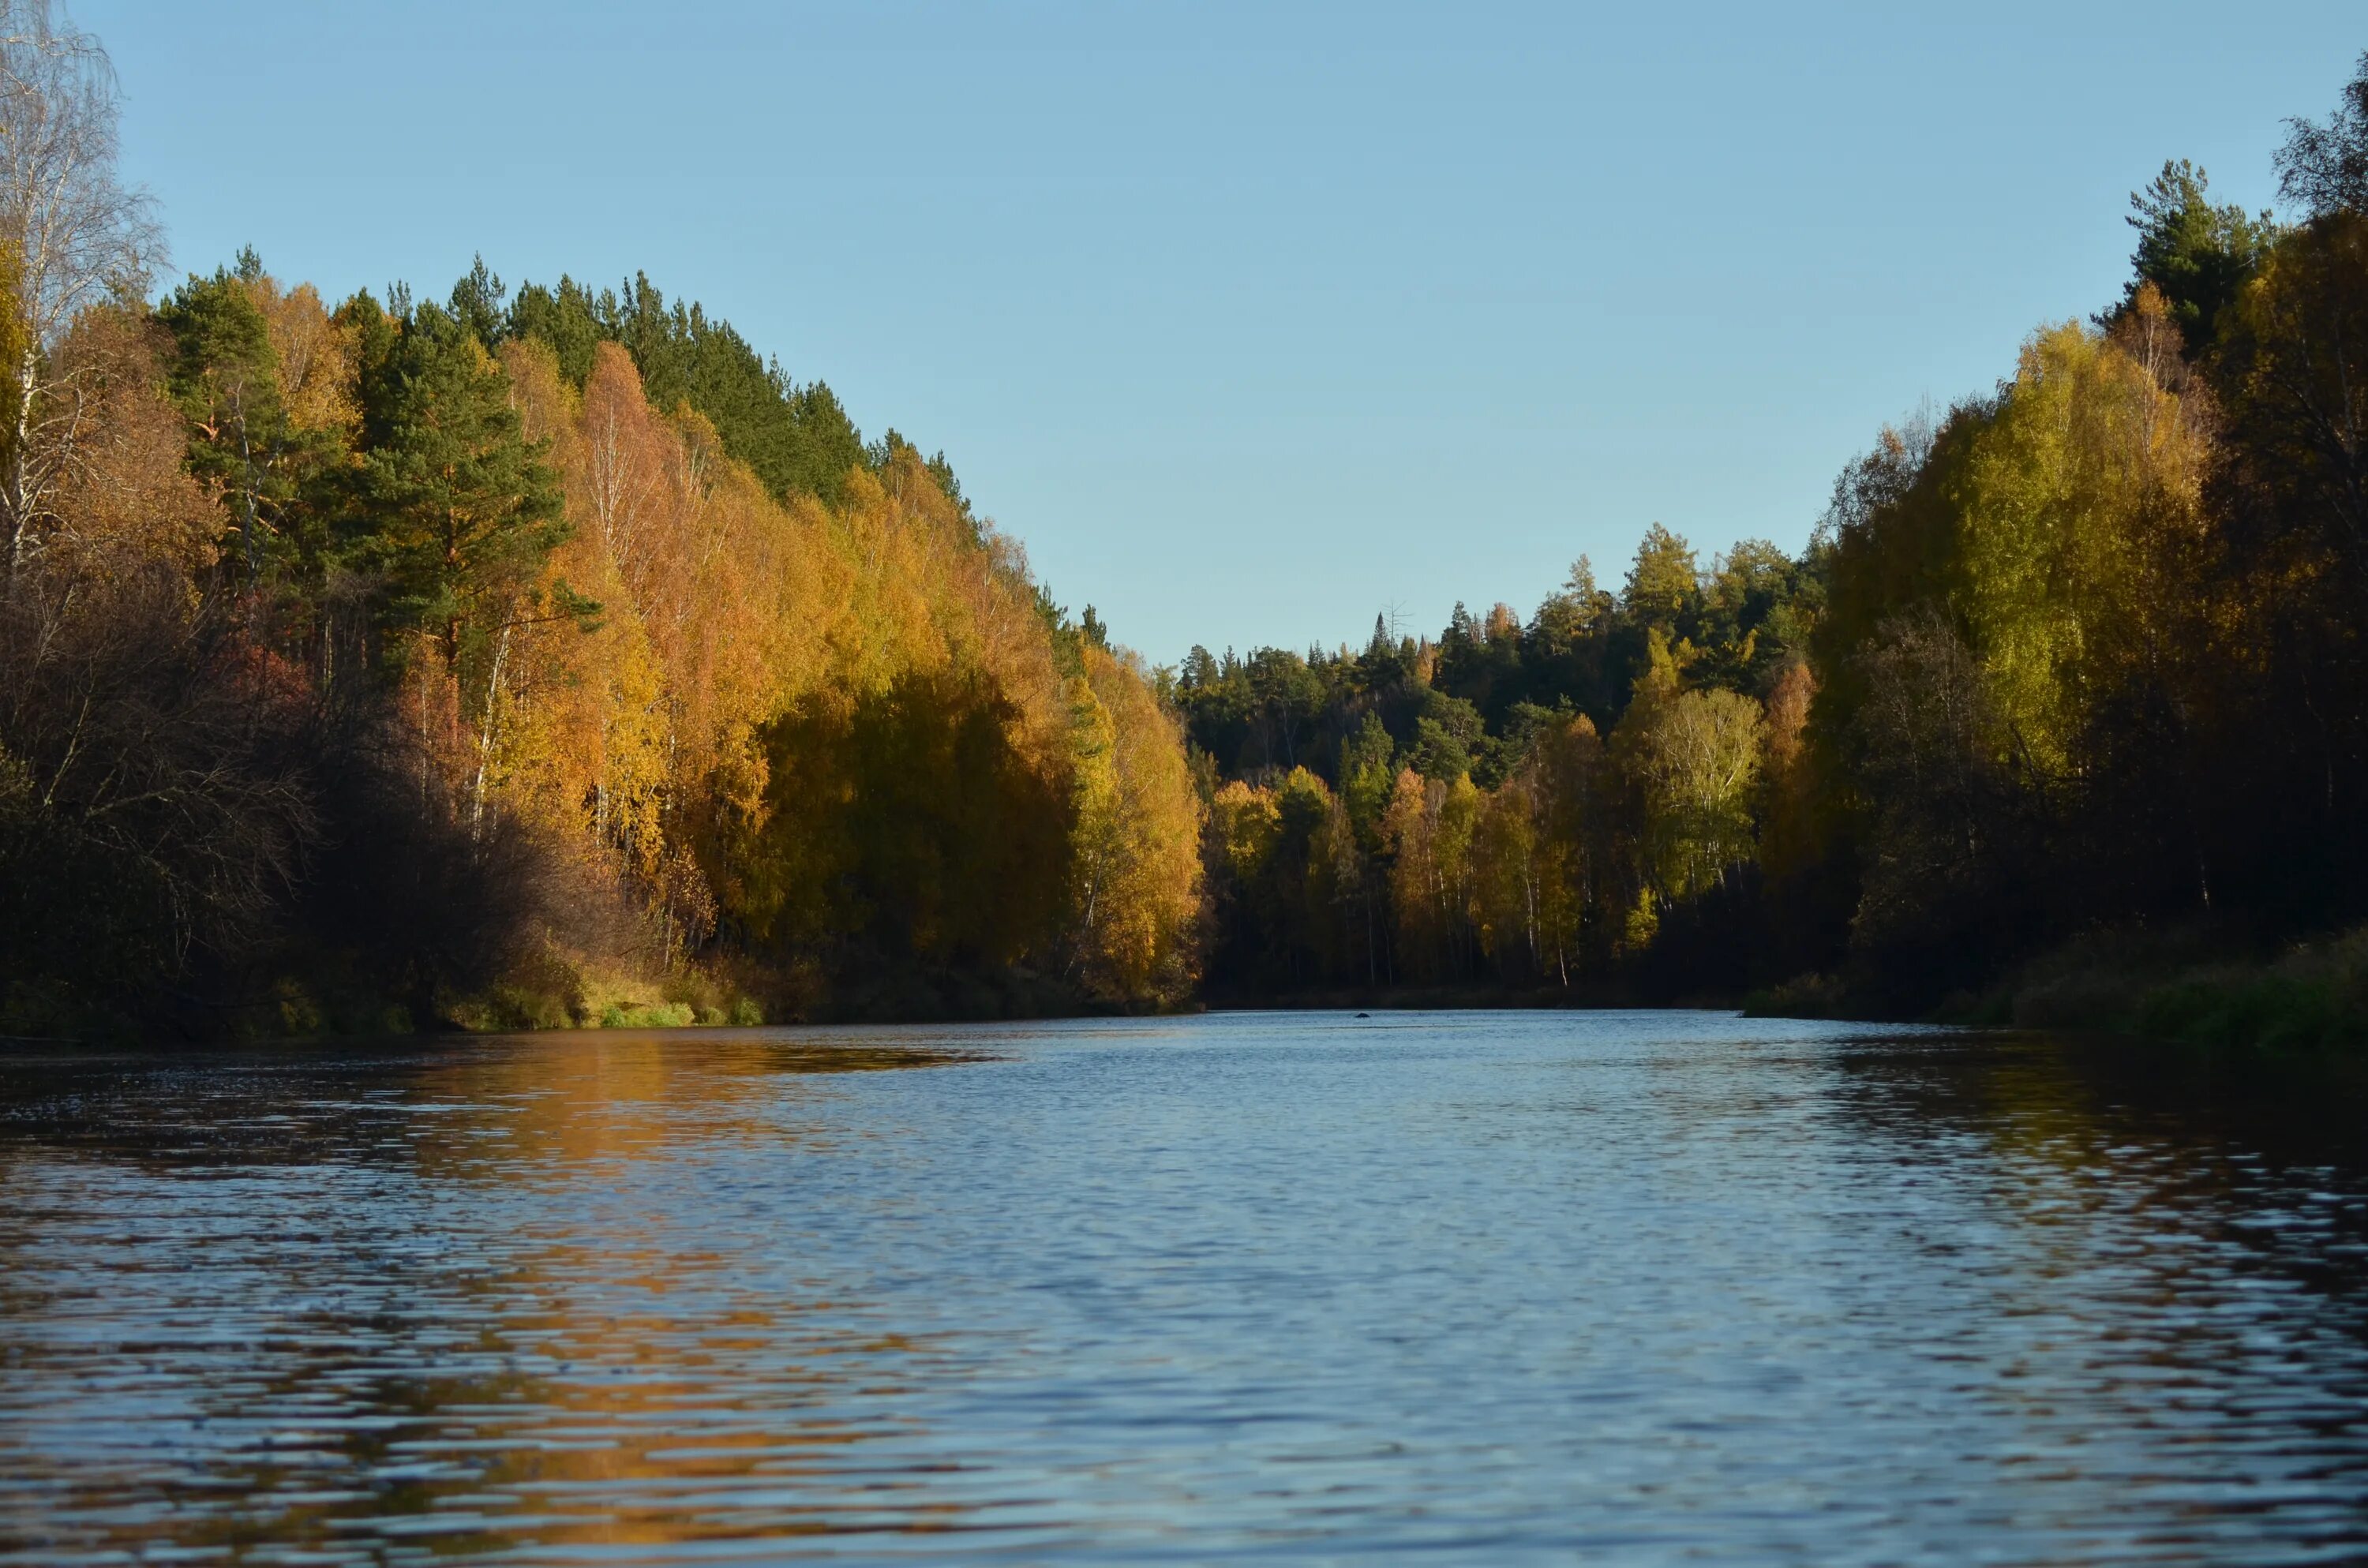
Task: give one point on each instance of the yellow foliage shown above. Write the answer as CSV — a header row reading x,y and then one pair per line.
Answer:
x,y
848,718
1137,837
315,357
2082,523
1692,759
1428,828
1246,821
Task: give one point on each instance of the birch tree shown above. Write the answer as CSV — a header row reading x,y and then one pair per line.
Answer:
x,y
77,237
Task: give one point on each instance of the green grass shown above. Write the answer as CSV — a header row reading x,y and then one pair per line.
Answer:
x,y
2311,997
648,1016
2188,985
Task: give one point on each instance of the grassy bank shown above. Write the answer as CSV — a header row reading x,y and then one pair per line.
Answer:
x,y
2307,997
2194,985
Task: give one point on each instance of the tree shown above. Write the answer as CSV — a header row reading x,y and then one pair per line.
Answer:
x,y
1243,821
1754,613
155,800
2295,371
1564,779
796,438
565,320
1788,840
2198,255
1693,759
458,508
1509,870
1138,828
315,357
224,375
2324,168
1951,828
476,304
1367,774
459,515
2078,532
1664,585
76,237
128,503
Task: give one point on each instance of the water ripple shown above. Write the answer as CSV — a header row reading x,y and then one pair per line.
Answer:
x,y
1647,1288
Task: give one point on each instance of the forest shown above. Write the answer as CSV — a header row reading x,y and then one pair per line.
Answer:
x,y
547,656
526,658
2059,715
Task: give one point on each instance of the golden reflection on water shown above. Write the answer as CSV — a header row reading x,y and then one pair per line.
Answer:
x,y
577,1409
1470,1288
642,1396
625,1095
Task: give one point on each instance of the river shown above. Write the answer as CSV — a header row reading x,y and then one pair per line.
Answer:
x,y
1461,1288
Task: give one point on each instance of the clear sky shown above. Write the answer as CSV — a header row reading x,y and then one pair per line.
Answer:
x,y
1254,320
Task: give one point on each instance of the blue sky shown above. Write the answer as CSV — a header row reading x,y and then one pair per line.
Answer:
x,y
1253,321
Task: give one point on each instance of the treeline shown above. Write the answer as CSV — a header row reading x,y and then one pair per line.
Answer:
x,y
2081,652
514,660
1562,803
550,656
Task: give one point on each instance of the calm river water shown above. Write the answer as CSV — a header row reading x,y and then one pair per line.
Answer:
x,y
1501,1288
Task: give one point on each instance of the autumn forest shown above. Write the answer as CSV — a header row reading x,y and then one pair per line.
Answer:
x,y
543,655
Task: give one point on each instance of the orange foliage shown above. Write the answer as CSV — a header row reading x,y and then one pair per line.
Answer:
x,y
848,720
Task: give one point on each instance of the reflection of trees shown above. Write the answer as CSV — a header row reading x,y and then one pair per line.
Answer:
x,y
531,1288
2158,1153
2132,1270
560,1101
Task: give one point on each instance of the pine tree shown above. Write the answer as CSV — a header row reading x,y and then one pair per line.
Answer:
x,y
458,509
225,381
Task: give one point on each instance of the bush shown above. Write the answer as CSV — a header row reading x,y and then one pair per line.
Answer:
x,y
652,1016
2314,998
2196,985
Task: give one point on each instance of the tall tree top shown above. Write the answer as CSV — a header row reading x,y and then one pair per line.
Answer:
x,y
2198,256
2324,168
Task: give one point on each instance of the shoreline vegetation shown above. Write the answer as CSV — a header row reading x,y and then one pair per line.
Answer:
x,y
550,657
2190,987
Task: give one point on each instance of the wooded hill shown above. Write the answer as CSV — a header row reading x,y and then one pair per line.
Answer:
x,y
516,661
550,656
2080,655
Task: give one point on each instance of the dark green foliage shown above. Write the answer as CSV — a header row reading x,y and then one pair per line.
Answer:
x,y
1758,608
375,332
476,304
277,481
1448,734
1069,638
795,438
1489,683
457,511
2198,255
1368,768
566,319
910,829
226,381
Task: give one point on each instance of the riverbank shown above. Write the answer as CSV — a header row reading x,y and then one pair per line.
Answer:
x,y
2192,985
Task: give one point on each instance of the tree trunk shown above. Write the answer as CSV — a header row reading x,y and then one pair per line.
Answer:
x,y
486,736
